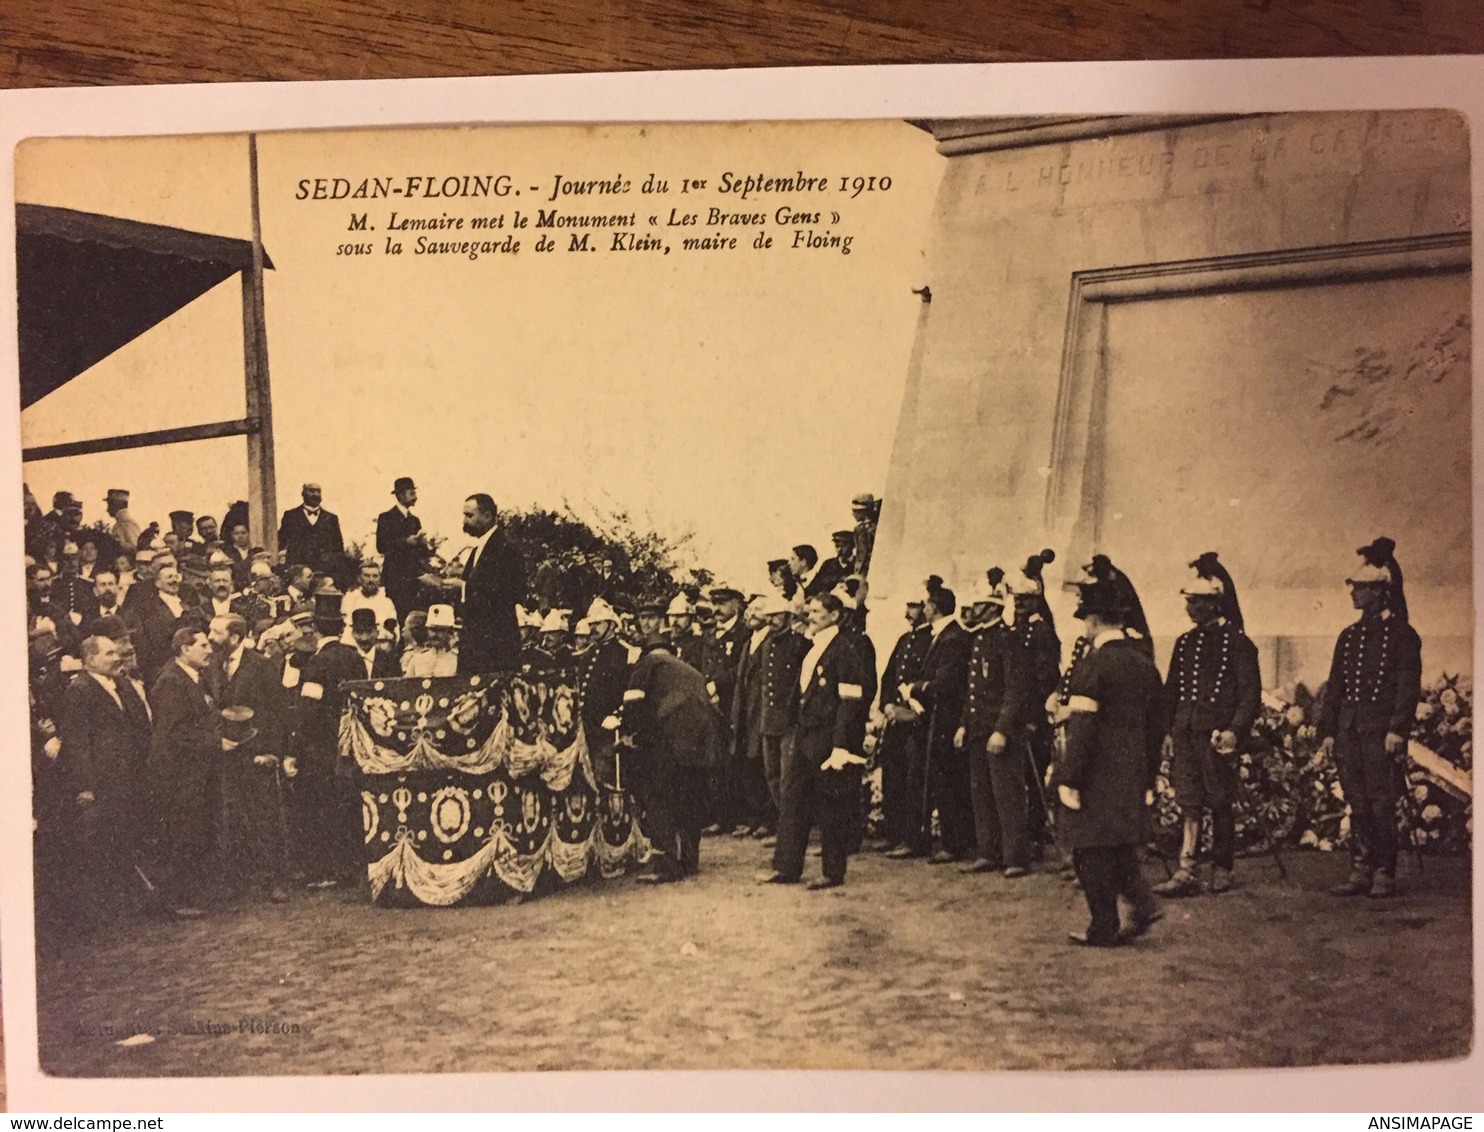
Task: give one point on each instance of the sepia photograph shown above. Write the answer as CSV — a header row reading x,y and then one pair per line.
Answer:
x,y
940,594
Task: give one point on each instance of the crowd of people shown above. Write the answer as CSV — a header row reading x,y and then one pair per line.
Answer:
x,y
187,689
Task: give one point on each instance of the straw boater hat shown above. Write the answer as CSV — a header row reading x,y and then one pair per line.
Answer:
x,y
441,617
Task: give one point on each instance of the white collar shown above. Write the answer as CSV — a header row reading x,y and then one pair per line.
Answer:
x,y
312,511
189,671
236,658
1108,635
323,642
941,623
822,638
107,681
403,508
479,543
808,575
726,626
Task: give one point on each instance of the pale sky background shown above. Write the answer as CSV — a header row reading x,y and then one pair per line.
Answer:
x,y
745,395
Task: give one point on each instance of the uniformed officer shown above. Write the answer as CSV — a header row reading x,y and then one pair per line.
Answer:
x,y
995,704
1368,707
602,675
680,619
1105,776
1039,662
900,728
1213,694
556,632
782,653
724,641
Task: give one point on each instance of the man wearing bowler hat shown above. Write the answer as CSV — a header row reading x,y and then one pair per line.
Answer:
x,y
402,545
1370,702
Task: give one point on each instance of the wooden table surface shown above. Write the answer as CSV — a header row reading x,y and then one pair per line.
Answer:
x,y
105,42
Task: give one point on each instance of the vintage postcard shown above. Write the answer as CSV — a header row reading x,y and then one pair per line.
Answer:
x,y
953,584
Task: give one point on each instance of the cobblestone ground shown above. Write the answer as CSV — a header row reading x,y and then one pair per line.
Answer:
x,y
907,967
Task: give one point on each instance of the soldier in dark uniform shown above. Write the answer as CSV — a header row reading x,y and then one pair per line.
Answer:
x,y
602,676
724,642
555,633
1040,664
821,773
676,732
747,717
939,694
1212,697
901,729
1369,704
996,703
1105,777
782,653
680,625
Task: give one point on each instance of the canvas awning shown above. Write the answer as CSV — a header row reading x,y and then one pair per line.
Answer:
x,y
87,284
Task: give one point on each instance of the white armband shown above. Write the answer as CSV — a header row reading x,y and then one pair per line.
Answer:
x,y
851,692
312,691
1082,703
632,695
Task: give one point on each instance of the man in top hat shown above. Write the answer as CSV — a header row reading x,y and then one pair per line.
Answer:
x,y
309,534
901,728
185,762
602,676
822,769
1367,711
101,761
183,527
370,595
401,543
330,811
1105,777
438,656
995,704
123,528
1213,694
243,681
938,694
675,730
866,510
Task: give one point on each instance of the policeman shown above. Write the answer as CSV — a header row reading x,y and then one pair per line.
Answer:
x,y
1213,694
602,675
782,654
995,704
1370,701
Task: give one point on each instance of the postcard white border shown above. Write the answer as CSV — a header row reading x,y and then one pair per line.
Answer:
x,y
812,93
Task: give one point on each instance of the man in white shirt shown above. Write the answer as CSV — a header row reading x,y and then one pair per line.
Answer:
x,y
370,596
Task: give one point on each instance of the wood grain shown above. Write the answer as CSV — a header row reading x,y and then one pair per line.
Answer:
x,y
105,42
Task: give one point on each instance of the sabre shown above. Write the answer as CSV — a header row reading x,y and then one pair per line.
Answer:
x,y
1244,789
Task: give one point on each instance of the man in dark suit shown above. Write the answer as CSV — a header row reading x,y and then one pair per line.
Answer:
x,y
310,535
822,771
102,760
252,801
153,617
782,653
185,760
401,544
939,695
494,581
676,732
721,653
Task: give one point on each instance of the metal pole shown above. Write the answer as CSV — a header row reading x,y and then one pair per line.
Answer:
x,y
262,490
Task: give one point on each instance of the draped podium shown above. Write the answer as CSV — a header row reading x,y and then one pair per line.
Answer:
x,y
477,788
